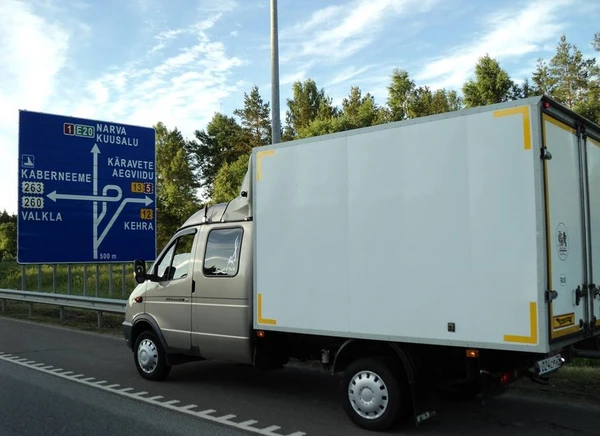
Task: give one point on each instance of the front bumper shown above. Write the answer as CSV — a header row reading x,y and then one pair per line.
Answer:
x,y
127,330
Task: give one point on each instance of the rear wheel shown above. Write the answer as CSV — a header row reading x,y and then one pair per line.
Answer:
x,y
150,358
374,394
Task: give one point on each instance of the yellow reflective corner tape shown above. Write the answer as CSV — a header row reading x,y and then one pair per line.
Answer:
x,y
524,112
259,158
533,334
558,124
262,320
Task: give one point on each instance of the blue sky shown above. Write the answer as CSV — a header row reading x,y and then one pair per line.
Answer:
x,y
143,61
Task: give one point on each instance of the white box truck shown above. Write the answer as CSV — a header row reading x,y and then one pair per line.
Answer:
x,y
453,250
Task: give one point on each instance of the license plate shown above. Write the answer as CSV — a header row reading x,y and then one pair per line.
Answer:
x,y
549,364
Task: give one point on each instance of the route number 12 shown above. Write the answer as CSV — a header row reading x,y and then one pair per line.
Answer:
x,y
146,214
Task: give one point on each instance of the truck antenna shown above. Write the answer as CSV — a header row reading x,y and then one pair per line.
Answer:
x,y
225,210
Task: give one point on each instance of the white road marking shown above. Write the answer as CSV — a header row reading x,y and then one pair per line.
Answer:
x,y
187,409
249,422
171,402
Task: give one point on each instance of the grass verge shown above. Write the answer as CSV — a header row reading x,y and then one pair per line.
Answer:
x,y
86,320
579,381
103,280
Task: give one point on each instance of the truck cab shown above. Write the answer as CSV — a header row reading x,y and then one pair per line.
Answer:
x,y
194,303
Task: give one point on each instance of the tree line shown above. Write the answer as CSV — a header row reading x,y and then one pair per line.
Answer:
x,y
216,158
209,167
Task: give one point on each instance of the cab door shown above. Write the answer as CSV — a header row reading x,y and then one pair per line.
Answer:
x,y
168,299
565,203
221,309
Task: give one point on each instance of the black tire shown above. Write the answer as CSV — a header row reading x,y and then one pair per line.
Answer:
x,y
380,375
153,364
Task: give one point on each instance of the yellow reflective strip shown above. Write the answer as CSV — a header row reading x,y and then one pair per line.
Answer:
x,y
521,110
558,124
262,320
533,334
259,157
593,141
565,332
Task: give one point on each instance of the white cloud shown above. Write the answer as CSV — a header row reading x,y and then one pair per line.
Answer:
x,y
205,6
511,35
347,74
182,90
288,79
34,51
339,31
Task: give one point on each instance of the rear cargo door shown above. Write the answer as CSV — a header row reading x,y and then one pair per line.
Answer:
x,y
568,305
592,146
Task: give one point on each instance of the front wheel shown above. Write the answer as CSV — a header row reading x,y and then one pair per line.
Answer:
x,y
150,358
373,393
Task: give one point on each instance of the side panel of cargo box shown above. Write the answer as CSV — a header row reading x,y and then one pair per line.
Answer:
x,y
426,231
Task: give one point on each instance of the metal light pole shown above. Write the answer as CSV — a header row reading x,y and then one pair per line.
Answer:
x,y
275,122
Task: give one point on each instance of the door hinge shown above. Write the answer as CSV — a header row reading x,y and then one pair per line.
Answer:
x,y
594,291
580,130
545,154
580,293
551,295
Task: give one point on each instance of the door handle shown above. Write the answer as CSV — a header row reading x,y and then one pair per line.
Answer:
x,y
579,294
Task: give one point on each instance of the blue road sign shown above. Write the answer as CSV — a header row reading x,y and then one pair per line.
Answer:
x,y
86,191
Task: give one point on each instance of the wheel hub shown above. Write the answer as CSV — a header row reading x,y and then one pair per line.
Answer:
x,y
368,394
147,356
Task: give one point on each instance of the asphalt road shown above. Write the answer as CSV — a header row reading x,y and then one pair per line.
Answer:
x,y
292,401
35,403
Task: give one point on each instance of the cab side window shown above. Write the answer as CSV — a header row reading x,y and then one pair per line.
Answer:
x,y
223,252
176,262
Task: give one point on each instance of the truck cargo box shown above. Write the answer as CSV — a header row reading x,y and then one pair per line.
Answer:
x,y
476,228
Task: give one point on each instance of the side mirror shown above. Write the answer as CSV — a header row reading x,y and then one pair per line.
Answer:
x,y
139,267
170,273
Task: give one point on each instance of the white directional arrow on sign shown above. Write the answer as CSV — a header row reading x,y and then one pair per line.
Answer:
x,y
147,201
54,196
96,151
